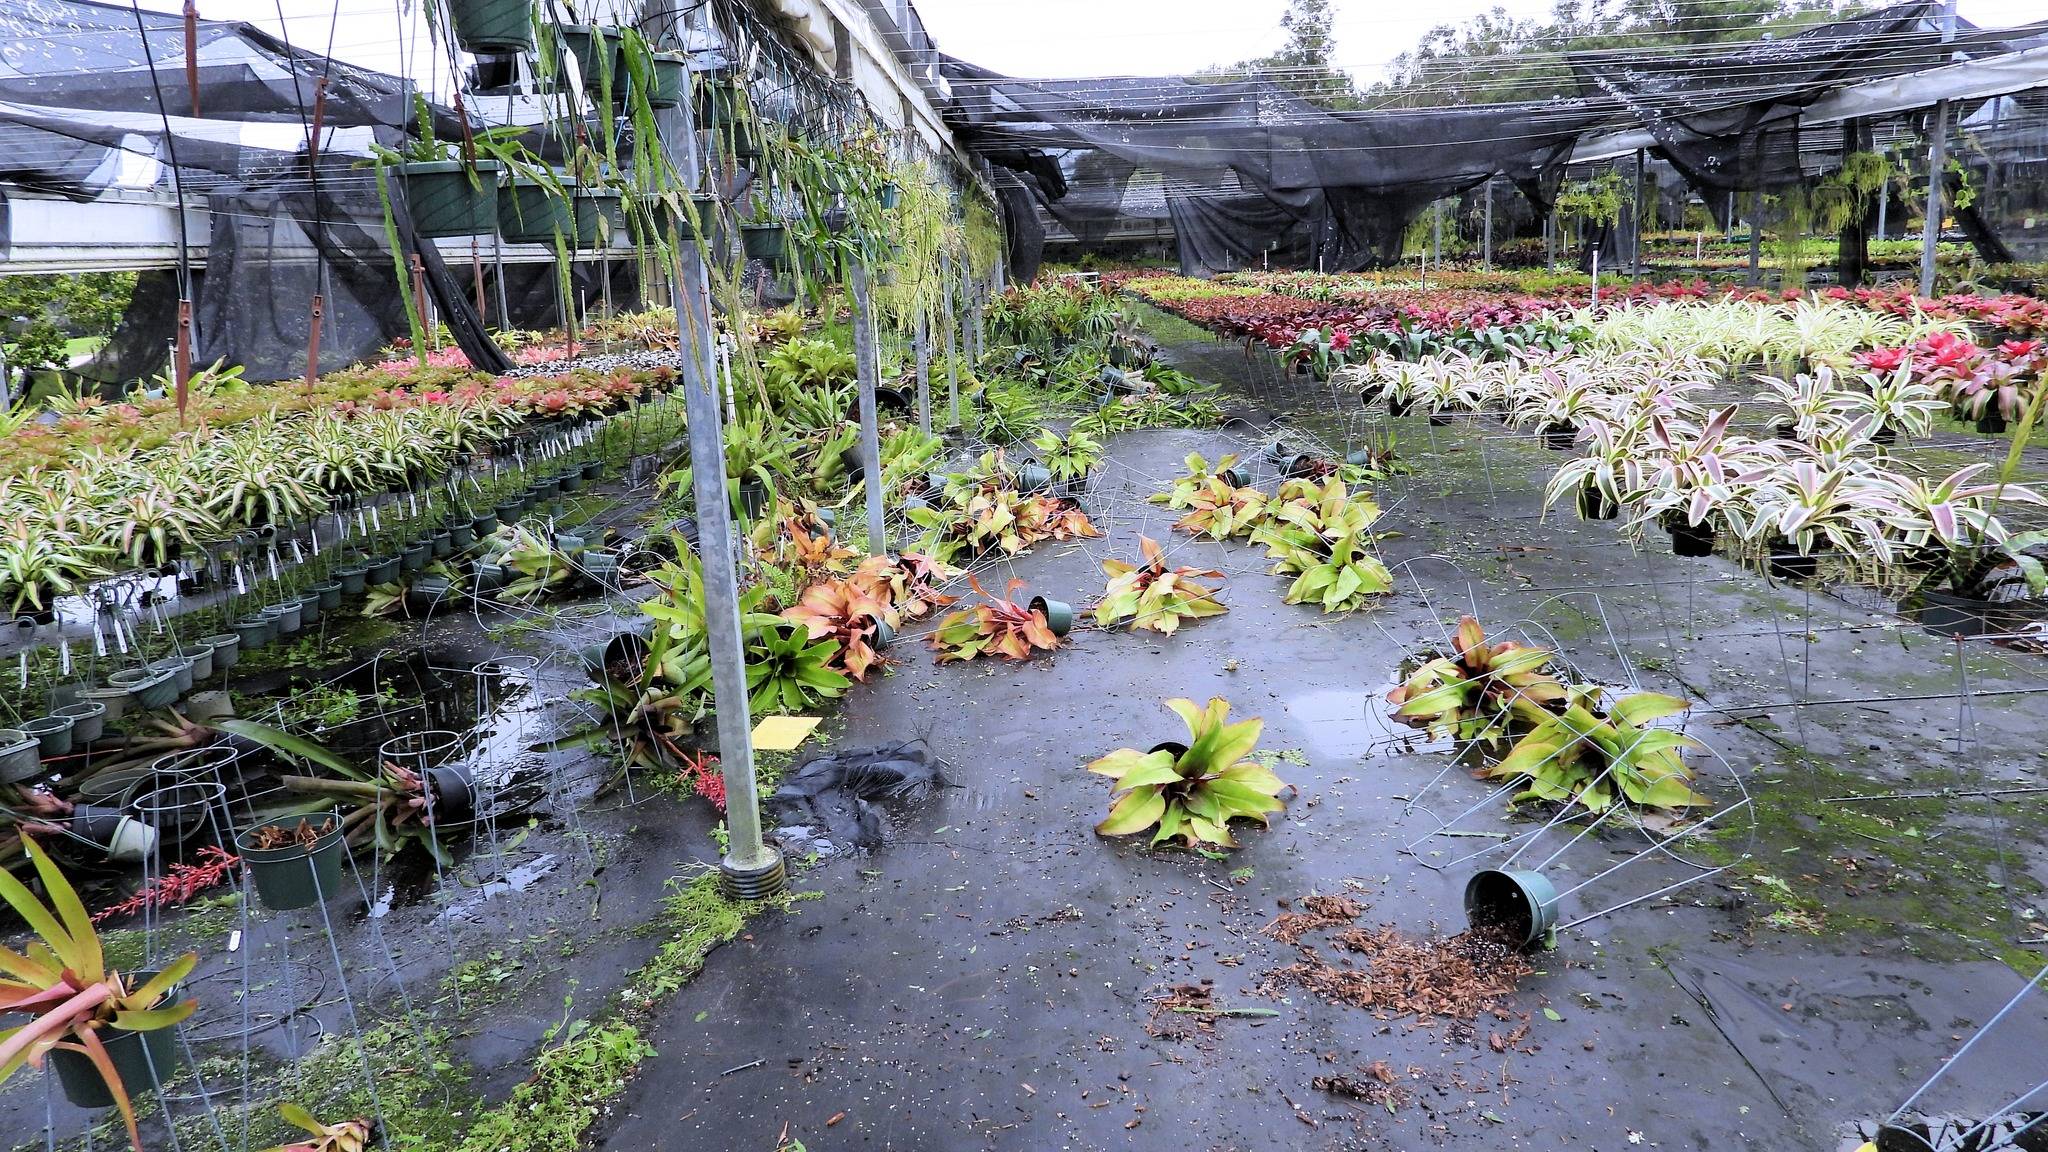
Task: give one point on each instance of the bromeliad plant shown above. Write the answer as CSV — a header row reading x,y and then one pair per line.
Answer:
x,y
1069,458
1221,512
1468,694
973,519
908,583
347,1136
1192,795
1580,756
61,982
999,626
1199,474
1150,595
1325,542
848,614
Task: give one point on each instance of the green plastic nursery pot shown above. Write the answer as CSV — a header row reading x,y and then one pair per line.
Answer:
x,y
384,571
142,1060
768,242
597,55
484,525
415,557
1033,478
255,631
428,593
1059,615
510,511
309,609
149,689
491,576
446,200
112,698
443,544
592,469
1519,905
288,617
201,655
884,636
666,90
568,542
354,579
113,789
178,668
296,875
545,489
572,480
20,755
602,567
530,213
689,226
492,27
619,661
461,537
227,649
88,720
52,734
597,214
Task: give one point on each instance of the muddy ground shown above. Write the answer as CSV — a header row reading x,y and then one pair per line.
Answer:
x,y
994,976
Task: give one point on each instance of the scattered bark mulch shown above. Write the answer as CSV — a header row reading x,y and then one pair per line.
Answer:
x,y
1318,912
1432,977
1377,1084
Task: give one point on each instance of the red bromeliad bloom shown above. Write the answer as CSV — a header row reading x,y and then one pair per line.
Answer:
x,y
1340,339
1883,359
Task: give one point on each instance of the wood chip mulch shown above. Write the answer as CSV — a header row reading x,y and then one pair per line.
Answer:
x,y
1318,913
1432,977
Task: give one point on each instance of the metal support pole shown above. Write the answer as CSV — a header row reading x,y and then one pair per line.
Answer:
x,y
498,271
1884,203
1635,224
952,357
870,438
924,371
1937,160
1486,257
1550,242
1436,232
751,869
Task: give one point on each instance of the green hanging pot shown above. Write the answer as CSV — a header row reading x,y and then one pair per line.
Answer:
x,y
295,875
451,198
598,215
666,90
492,27
530,213
769,242
597,55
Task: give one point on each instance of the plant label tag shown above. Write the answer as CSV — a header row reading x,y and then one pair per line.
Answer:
x,y
24,669
314,536
298,553
272,557
64,655
376,522
360,526
412,500
120,636
99,639
235,940
241,581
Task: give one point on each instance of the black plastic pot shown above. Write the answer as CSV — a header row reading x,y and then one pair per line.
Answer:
x,y
447,200
1399,407
451,795
1174,746
625,651
1300,464
572,481
1560,437
461,537
354,579
415,557
1947,614
385,571
329,592
1594,504
484,525
123,837
1693,540
295,876
1234,477
426,594
754,497
1991,425
1784,561
442,543
1440,419
143,1061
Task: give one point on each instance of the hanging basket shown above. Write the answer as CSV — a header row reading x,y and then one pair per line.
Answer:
x,y
597,55
769,242
666,89
530,213
20,755
451,198
492,27
598,214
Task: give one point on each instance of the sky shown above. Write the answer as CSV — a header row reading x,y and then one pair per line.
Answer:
x,y
1018,37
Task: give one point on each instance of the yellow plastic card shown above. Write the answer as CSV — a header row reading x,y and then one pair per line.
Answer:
x,y
783,733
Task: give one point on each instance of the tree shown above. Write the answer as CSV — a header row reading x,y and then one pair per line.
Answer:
x,y
1302,65
40,315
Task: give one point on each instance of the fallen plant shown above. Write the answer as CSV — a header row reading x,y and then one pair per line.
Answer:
x,y
1195,794
1150,595
999,625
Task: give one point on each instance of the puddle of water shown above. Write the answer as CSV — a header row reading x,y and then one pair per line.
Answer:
x,y
1336,722
518,879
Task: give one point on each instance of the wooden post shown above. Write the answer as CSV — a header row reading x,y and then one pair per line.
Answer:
x,y
192,54
181,364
